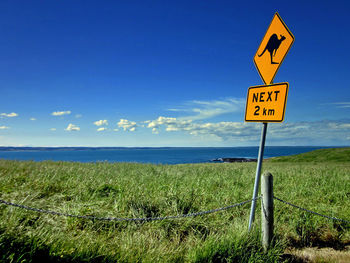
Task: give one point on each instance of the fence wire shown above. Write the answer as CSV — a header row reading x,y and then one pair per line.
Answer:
x,y
312,212
125,219
165,217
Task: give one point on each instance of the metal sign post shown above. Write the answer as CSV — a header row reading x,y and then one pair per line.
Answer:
x,y
258,173
267,103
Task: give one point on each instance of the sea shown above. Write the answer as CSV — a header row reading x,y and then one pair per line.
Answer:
x,y
161,155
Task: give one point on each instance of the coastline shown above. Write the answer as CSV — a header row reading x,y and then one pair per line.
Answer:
x,y
155,155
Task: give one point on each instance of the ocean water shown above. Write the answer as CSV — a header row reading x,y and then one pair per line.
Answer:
x,y
166,155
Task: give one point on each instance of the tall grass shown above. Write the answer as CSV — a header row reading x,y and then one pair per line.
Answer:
x,y
145,190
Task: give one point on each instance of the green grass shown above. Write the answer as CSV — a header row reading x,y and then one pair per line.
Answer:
x,y
338,155
145,190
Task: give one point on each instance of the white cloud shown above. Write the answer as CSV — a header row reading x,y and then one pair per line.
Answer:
x,y
310,133
115,130
171,124
61,113
72,127
101,129
101,122
170,129
303,132
127,125
197,111
200,110
9,115
155,131
53,129
4,127
338,126
341,104
33,119
223,130
78,116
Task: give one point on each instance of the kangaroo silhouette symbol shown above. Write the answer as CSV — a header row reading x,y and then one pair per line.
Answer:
x,y
272,45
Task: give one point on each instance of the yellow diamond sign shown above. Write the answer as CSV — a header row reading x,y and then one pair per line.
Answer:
x,y
273,49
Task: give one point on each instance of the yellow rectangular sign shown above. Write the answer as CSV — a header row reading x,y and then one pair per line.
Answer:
x,y
266,103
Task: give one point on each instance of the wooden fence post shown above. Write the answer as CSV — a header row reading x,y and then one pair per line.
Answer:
x,y
267,209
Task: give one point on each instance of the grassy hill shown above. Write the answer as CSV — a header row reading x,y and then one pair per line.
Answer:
x,y
144,190
323,155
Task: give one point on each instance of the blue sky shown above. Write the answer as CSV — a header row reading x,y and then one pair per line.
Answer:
x,y
167,73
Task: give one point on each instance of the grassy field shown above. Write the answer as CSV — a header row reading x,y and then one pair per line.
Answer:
x,y
317,181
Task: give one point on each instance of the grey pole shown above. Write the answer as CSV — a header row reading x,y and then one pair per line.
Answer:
x,y
267,209
257,175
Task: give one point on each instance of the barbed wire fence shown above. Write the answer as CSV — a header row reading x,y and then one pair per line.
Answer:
x,y
310,211
146,219
125,219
